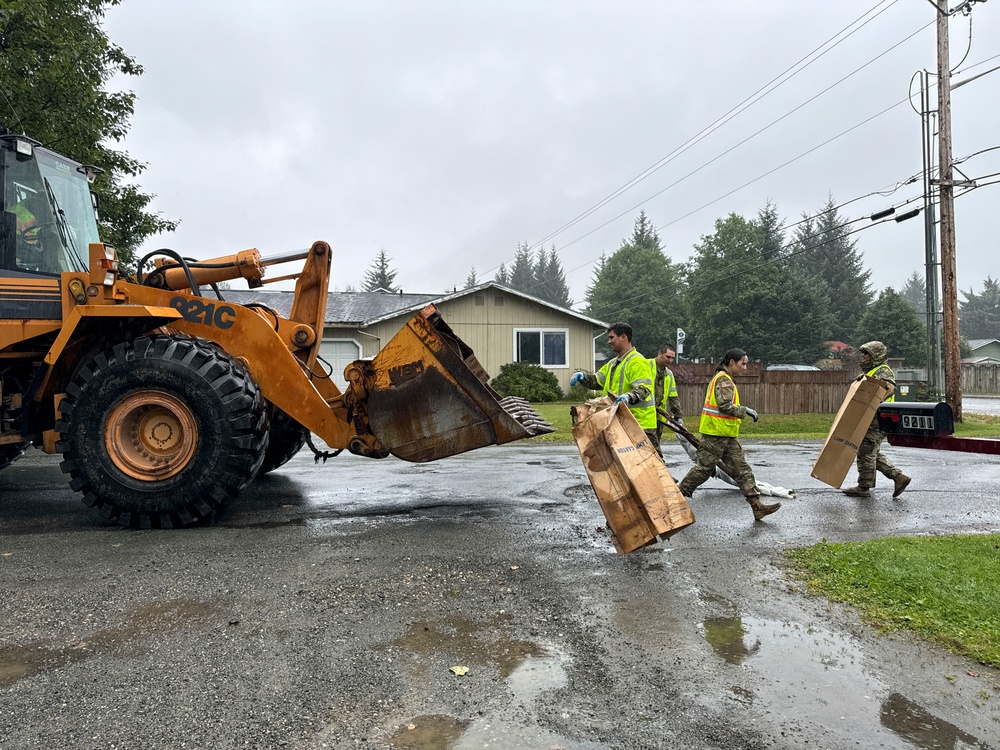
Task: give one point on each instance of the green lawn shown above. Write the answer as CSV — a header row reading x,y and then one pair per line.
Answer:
x,y
946,589
770,427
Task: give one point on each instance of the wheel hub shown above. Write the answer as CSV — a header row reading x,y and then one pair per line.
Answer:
x,y
151,435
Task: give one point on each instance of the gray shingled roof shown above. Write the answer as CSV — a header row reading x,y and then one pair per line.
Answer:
x,y
364,308
976,343
341,307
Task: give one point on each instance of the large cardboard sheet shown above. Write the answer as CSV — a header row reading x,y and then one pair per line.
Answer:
x,y
840,449
639,498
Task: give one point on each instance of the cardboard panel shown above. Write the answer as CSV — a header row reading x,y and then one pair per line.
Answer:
x,y
840,449
639,498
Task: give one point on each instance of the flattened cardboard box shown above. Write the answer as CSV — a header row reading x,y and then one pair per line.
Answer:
x,y
639,498
848,430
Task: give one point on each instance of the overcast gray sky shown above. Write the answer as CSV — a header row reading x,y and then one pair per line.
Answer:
x,y
449,132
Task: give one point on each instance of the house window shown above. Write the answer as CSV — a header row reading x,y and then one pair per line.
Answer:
x,y
480,300
498,301
541,347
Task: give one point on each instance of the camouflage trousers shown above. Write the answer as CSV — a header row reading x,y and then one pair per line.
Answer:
x,y
654,438
871,459
714,450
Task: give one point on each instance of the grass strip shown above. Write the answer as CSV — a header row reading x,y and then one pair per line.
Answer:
x,y
946,589
784,427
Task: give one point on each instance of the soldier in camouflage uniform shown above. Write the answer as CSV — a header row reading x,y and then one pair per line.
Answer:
x,y
870,456
721,417
665,394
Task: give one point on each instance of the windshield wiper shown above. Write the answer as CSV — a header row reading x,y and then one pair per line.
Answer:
x,y
64,231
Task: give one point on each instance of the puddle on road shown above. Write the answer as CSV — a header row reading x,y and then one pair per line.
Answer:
x,y
817,675
923,729
536,675
461,640
726,637
432,732
157,618
528,669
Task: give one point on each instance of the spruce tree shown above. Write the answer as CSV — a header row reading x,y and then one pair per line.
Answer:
x,y
379,275
824,251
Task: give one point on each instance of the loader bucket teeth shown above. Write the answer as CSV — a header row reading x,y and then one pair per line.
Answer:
x,y
426,395
525,413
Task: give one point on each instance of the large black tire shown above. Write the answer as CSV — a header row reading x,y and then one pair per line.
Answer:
x,y
162,431
286,439
10,452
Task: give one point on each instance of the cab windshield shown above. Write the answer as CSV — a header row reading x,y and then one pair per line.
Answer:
x,y
48,217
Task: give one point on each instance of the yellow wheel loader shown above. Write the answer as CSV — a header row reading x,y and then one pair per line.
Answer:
x,y
165,401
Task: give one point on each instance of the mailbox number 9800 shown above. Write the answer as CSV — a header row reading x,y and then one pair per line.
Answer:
x,y
917,422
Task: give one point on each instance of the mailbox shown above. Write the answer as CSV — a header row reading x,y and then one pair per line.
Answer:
x,y
916,418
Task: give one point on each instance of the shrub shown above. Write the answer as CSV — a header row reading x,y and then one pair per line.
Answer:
x,y
527,381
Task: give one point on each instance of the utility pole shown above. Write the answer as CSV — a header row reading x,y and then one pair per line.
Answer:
x,y
946,197
931,263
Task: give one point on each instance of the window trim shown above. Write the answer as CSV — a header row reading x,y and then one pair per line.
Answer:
x,y
543,331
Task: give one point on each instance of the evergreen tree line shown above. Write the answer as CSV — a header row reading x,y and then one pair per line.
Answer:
x,y
779,294
752,284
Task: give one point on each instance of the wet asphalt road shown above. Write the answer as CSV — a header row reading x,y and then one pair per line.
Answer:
x,y
327,606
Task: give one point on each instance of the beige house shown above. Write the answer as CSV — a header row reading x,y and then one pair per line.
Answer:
x,y
500,324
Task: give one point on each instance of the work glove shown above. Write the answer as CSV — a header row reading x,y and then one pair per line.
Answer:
x,y
680,421
623,399
576,379
752,414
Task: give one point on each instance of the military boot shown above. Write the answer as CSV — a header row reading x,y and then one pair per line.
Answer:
x,y
760,509
858,491
900,483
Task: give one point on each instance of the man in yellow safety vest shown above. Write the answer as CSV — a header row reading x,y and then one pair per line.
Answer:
x,y
665,396
721,417
628,377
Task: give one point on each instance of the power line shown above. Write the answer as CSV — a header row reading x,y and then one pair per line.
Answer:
x,y
738,109
755,97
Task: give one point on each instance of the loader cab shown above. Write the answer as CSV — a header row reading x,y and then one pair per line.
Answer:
x,y
47,216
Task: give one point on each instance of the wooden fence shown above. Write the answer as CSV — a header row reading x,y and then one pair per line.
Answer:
x,y
805,391
769,391
982,380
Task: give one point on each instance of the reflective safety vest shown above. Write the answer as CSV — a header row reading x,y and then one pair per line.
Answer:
x,y
713,421
24,218
871,374
669,386
616,378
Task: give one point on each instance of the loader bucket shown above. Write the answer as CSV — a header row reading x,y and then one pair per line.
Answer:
x,y
427,396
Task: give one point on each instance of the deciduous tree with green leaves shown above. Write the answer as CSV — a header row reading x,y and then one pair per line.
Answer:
x,y
742,293
893,321
55,62
639,285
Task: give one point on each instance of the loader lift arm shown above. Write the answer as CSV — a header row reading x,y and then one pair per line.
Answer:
x,y
424,396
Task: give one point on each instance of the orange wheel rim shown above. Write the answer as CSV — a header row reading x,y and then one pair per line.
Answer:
x,y
151,435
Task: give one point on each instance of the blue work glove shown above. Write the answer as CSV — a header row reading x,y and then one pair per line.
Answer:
x,y
623,399
752,414
576,379
680,421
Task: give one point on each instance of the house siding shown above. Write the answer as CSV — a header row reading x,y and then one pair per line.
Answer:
x,y
489,329
992,349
